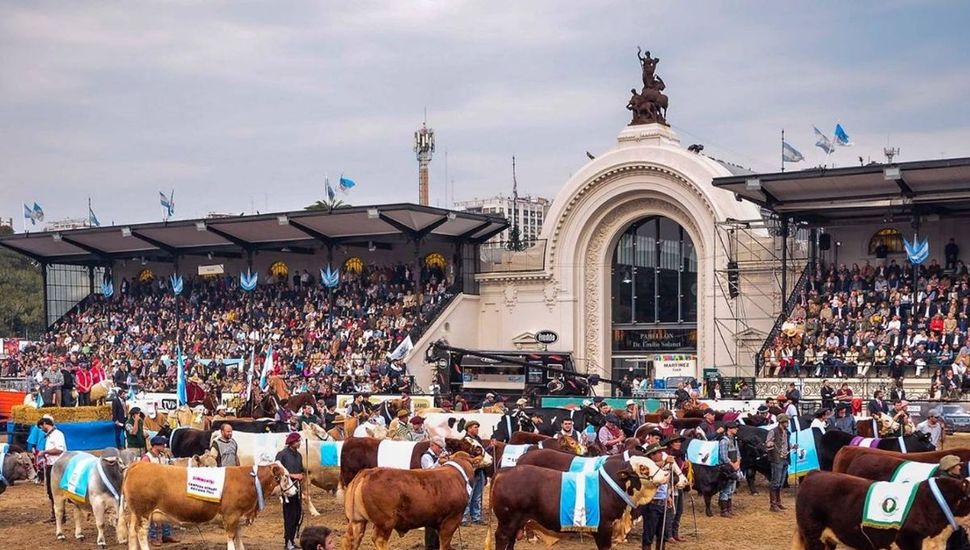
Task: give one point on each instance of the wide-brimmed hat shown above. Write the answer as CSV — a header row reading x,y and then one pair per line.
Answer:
x,y
673,439
782,418
630,402
949,461
403,413
339,419
439,441
656,447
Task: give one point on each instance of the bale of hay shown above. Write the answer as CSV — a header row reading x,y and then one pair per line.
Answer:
x,y
22,414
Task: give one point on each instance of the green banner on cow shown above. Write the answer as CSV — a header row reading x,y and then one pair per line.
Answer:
x,y
650,405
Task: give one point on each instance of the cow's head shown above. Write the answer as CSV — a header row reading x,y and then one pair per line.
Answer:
x,y
923,443
650,478
315,432
23,468
288,486
464,444
204,460
570,445
484,458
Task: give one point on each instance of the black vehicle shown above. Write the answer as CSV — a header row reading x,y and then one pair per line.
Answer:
x,y
474,376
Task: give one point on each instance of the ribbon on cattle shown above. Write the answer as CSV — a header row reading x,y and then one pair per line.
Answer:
x,y
871,442
205,483
77,473
511,454
804,459
587,464
3,457
395,454
705,453
914,472
330,453
579,506
887,504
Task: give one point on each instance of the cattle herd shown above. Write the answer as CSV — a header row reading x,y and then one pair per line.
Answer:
x,y
383,486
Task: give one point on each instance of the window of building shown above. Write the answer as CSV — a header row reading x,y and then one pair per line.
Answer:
x,y
891,238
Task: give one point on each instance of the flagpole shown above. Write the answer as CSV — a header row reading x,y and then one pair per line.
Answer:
x,y
782,149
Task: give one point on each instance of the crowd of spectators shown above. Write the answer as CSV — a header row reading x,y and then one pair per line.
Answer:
x,y
889,319
337,340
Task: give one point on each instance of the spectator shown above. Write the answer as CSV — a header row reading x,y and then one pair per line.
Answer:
x,y
933,425
729,455
843,420
827,392
318,538
951,251
135,435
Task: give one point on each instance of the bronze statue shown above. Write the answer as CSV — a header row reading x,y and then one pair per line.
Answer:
x,y
650,105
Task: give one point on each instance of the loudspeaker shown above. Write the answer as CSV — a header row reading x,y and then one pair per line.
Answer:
x,y
734,282
824,241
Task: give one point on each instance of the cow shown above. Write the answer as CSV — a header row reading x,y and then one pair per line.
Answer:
x,y
103,488
546,421
566,446
847,455
324,477
398,500
247,425
829,443
157,487
258,448
447,424
754,454
822,525
15,467
360,453
866,427
877,467
186,442
531,493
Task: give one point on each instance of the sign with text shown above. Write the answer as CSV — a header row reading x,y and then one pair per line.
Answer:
x,y
655,339
547,337
214,269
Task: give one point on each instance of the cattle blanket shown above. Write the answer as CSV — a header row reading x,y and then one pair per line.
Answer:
x,y
579,501
511,454
888,504
702,452
330,453
871,442
587,464
205,483
74,480
914,472
804,459
395,454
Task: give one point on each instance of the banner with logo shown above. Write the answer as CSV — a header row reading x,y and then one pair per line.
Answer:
x,y
418,402
804,458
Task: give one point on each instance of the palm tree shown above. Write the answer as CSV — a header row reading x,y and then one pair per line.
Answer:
x,y
327,205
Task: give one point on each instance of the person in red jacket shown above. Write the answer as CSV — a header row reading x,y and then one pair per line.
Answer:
x,y
88,375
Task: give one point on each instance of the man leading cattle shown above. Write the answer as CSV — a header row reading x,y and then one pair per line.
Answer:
x,y
291,459
473,513
654,513
429,460
54,446
158,533
225,448
730,458
776,442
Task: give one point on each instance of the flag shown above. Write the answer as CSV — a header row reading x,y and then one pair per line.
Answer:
x,y
249,382
168,203
346,184
38,212
402,349
29,215
790,154
180,389
842,138
267,367
804,459
92,219
330,193
823,142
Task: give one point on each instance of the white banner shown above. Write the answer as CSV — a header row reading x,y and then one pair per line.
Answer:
x,y
166,402
215,269
668,366
205,483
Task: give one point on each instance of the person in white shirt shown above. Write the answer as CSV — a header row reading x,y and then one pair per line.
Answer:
x,y
56,446
821,416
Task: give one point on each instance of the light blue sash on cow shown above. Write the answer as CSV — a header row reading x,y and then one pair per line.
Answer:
x,y
587,464
804,459
330,453
3,456
4,448
74,479
705,453
579,501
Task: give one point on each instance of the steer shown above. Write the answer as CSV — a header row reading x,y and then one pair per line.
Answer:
x,y
847,455
103,491
530,493
829,443
151,488
15,467
360,453
878,467
186,442
402,500
822,525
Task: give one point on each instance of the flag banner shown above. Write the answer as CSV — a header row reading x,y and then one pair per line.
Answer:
x,y
249,380
790,154
705,453
402,349
29,215
804,459
92,219
587,464
168,203
841,138
267,368
330,192
823,142
917,251
180,388
346,184
205,483
38,212
579,506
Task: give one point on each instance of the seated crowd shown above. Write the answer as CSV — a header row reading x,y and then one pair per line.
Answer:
x,y
336,339
853,321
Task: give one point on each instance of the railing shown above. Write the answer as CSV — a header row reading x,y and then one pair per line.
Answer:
x,y
780,320
15,384
499,257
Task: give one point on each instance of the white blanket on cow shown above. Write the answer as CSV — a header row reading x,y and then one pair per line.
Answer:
x,y
511,455
914,472
205,483
888,504
395,454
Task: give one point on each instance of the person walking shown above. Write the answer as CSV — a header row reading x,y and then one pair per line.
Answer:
x,y
135,435
777,445
430,459
54,447
159,532
729,455
225,448
292,460
119,416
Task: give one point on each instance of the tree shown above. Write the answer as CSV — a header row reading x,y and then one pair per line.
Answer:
x,y
21,294
515,239
327,205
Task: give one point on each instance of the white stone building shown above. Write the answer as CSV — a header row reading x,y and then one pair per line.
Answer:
x,y
530,211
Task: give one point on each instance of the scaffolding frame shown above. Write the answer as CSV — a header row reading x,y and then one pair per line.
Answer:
x,y
767,258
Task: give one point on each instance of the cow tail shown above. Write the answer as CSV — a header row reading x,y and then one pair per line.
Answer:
x,y
489,538
798,540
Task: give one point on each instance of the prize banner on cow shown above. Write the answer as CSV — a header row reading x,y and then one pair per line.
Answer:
x,y
804,458
704,453
205,483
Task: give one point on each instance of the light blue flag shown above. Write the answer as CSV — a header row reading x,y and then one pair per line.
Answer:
x,y
267,367
38,212
29,215
346,184
330,192
705,453
790,154
917,251
92,219
842,138
823,142
804,459
180,388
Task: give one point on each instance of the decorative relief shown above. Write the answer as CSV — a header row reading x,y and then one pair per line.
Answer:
x,y
551,293
511,295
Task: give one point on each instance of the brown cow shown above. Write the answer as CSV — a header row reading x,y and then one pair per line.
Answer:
x,y
399,500
876,467
527,493
822,526
847,455
360,453
155,487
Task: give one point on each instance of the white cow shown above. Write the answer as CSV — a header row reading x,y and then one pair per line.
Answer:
x,y
104,480
437,423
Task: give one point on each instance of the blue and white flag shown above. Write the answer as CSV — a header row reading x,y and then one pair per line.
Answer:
x,y
248,280
29,215
330,192
180,388
917,251
267,367
346,184
823,142
168,203
705,453
842,138
92,219
402,349
177,284
38,212
249,380
804,459
790,154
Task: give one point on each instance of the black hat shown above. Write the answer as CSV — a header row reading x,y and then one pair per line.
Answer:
x,y
673,439
655,432
729,425
656,447
134,410
762,408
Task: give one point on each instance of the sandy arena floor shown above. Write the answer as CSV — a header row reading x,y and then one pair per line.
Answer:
x,y
24,507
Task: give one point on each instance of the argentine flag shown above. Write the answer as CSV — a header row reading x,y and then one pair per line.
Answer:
x,y
842,138
29,215
92,219
267,367
823,142
790,154
38,212
180,388
346,184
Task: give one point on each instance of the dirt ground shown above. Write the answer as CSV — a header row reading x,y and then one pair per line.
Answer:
x,y
24,507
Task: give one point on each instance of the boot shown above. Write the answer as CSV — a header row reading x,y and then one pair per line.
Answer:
x,y
778,499
730,507
773,494
723,504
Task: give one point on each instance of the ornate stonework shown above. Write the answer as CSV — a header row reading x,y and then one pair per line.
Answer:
x,y
551,293
511,295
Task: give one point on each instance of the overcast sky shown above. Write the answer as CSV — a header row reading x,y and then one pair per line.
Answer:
x,y
248,105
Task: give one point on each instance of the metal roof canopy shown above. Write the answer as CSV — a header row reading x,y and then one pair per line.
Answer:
x,y
860,193
98,245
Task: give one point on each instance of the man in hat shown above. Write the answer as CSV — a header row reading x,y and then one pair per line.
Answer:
x,y
933,425
417,432
431,459
135,434
489,400
338,432
473,512
950,466
54,446
398,428
777,445
224,448
843,420
711,431
158,533
765,414
729,457
292,460
653,512
611,436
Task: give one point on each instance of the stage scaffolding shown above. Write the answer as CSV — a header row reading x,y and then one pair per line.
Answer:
x,y
758,264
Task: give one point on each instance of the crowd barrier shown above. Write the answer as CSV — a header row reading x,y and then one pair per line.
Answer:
x,y
80,436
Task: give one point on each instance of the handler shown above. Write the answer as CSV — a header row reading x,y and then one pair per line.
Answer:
x,y
429,460
292,460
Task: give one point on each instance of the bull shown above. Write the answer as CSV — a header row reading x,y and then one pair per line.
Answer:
x,y
824,526
847,455
396,500
877,467
102,499
186,442
360,453
831,441
15,467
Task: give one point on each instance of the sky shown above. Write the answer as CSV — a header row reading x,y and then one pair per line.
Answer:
x,y
249,106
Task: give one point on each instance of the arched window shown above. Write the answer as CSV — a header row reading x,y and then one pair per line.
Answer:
x,y
892,239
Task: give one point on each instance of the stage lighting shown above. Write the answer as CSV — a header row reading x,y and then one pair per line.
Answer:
x,y
753,184
373,214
